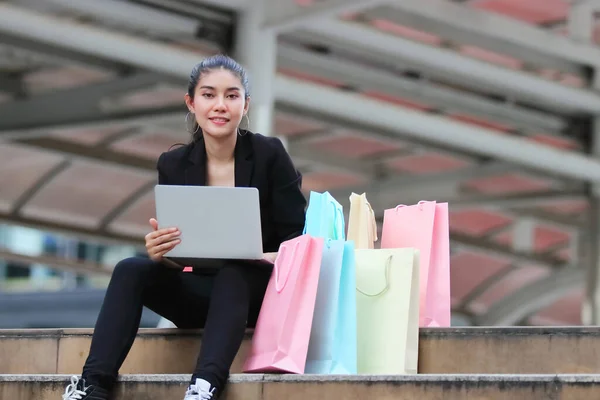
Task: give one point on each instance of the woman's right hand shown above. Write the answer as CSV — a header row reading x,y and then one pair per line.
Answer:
x,y
160,241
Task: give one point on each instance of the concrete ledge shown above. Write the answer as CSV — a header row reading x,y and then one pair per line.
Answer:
x,y
511,350
592,379
301,387
454,332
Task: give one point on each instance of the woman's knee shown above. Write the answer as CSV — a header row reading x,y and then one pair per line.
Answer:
x,y
232,278
136,267
236,273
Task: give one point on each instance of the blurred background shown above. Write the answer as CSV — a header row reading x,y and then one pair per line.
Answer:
x,y
490,105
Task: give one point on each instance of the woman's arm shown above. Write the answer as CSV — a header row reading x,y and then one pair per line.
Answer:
x,y
288,203
162,177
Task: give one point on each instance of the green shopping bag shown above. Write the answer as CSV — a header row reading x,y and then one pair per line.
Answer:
x,y
387,307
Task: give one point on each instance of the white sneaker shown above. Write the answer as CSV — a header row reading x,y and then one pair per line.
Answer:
x,y
202,390
77,390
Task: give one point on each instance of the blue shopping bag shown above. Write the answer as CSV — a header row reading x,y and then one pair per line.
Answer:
x,y
332,348
345,354
324,217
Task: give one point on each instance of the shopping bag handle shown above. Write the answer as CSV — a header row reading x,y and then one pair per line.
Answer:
x,y
337,211
388,264
420,203
277,266
373,228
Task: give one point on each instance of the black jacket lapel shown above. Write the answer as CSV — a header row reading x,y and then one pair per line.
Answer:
x,y
195,173
244,162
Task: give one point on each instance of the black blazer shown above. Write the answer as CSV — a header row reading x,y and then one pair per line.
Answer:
x,y
261,162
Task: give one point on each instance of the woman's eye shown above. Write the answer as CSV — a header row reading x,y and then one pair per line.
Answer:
x,y
207,95
233,96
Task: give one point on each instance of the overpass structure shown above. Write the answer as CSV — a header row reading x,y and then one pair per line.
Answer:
x,y
489,105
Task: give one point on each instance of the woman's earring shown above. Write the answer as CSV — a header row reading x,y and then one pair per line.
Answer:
x,y
247,126
187,123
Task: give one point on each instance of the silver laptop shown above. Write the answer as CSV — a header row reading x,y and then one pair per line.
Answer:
x,y
215,222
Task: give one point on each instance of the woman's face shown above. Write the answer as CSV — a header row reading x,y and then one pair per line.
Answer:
x,y
219,103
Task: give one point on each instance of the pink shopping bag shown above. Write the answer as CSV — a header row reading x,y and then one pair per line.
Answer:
x,y
282,333
424,226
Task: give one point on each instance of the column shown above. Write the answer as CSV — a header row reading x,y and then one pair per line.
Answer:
x,y
591,252
581,20
524,235
3,244
580,23
256,49
68,250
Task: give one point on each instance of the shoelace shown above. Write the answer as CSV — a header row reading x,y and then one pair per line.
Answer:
x,y
194,393
71,392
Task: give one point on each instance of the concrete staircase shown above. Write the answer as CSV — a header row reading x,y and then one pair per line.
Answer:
x,y
304,387
455,363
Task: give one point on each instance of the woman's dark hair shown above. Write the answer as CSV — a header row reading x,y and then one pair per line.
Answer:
x,y
210,64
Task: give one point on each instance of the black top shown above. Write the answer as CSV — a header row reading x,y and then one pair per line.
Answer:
x,y
261,162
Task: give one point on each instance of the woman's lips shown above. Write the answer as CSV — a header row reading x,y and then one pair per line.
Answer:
x,y
219,121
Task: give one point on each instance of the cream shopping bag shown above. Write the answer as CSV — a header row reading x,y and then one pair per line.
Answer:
x,y
362,227
387,303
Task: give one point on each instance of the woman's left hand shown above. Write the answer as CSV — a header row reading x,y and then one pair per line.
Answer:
x,y
270,257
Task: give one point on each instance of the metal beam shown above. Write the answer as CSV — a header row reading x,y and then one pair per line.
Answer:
x,y
566,245
75,151
96,41
299,16
321,158
456,68
438,130
483,287
82,104
137,119
518,200
457,201
221,11
59,54
411,184
133,16
41,183
89,234
60,263
367,130
128,202
565,222
532,298
491,31
366,77
491,248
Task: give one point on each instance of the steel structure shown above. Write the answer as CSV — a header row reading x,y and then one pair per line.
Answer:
x,y
406,100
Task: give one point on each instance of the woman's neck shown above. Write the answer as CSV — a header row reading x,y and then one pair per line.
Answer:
x,y
220,150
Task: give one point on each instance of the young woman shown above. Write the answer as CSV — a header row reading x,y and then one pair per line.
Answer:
x,y
220,154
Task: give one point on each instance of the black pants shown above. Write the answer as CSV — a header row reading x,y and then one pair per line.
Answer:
x,y
223,302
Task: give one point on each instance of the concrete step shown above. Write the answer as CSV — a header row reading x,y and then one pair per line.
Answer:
x,y
302,387
513,350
